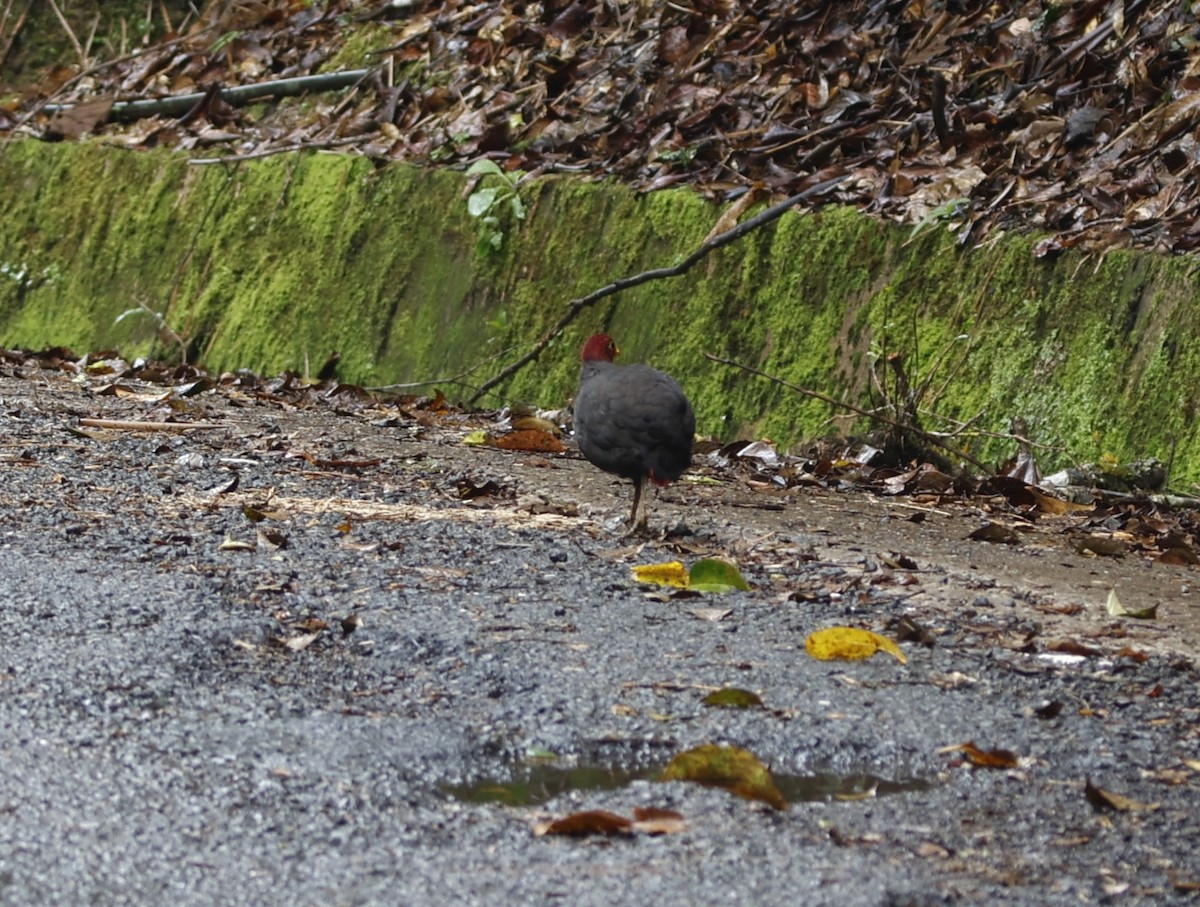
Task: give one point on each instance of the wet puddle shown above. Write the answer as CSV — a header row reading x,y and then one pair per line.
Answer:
x,y
533,785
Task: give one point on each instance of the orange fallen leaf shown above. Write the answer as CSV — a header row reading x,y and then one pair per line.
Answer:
x,y
1047,503
583,824
532,439
985,758
1071,647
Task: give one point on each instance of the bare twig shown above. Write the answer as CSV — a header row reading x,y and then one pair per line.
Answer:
x,y
70,34
575,306
121,425
165,330
452,379
162,9
16,28
876,417
282,149
1008,436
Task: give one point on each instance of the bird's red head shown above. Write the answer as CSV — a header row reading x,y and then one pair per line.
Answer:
x,y
600,348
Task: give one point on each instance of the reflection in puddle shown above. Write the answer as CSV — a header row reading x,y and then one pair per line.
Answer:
x,y
532,785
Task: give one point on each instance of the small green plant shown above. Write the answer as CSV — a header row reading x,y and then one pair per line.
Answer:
x,y
224,41
947,214
498,326
681,156
487,202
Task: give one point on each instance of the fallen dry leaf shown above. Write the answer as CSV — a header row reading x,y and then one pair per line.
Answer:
x,y
1108,801
979,758
296,643
584,824
731,767
672,573
849,644
530,440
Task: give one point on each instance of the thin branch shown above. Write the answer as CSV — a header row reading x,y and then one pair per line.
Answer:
x,y
282,149
16,29
961,427
123,425
452,379
238,94
70,34
876,417
1011,436
575,306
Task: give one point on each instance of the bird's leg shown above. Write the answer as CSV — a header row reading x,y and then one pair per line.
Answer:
x,y
637,518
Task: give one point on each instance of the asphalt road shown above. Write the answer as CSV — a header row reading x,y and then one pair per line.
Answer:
x,y
183,721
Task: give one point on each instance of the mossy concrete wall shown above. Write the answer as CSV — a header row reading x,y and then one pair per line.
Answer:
x,y
275,263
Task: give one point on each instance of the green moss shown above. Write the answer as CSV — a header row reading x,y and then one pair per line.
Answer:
x,y
361,43
275,264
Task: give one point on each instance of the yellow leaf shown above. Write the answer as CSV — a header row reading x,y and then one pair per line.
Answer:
x,y
477,438
672,573
849,644
733,698
731,767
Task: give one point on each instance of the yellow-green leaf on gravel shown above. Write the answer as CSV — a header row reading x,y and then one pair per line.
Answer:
x,y
672,573
712,575
849,644
1116,609
477,438
733,698
731,767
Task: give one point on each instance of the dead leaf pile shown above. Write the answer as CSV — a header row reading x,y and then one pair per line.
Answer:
x,y
1077,120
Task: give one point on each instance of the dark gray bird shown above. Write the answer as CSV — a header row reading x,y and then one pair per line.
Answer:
x,y
632,421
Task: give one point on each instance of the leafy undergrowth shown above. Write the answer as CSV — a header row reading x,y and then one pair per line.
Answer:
x,y
1078,120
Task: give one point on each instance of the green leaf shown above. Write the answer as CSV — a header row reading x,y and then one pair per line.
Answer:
x,y
947,211
487,167
518,206
224,41
481,201
1116,609
713,575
